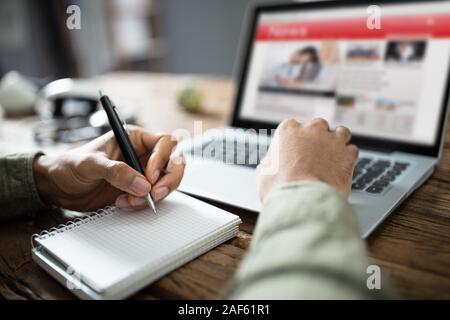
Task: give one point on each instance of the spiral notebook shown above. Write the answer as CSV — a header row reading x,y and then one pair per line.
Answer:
x,y
113,253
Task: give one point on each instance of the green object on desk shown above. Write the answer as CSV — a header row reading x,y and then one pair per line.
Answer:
x,y
191,99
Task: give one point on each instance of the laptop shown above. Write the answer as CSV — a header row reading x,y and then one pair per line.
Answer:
x,y
382,71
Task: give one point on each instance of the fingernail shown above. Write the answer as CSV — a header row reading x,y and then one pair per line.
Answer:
x,y
155,176
137,202
161,193
122,201
178,160
140,186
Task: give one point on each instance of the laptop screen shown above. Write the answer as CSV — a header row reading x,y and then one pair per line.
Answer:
x,y
381,70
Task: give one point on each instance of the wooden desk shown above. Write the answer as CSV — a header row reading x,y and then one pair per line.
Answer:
x,y
412,247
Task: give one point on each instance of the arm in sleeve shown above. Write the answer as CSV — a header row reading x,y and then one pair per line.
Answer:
x,y
306,245
18,194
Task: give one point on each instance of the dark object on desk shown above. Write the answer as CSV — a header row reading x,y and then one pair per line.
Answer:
x,y
70,113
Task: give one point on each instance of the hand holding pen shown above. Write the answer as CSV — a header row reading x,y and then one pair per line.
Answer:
x,y
95,175
161,172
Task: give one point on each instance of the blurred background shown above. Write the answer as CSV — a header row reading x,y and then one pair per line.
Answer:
x,y
178,36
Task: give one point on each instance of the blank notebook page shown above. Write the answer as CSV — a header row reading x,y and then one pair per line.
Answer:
x,y
112,248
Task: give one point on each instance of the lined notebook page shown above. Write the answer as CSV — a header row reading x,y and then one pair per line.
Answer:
x,y
120,244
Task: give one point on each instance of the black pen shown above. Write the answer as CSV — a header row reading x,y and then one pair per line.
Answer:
x,y
123,140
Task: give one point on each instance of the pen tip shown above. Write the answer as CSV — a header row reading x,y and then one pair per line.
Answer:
x,y
151,204
100,93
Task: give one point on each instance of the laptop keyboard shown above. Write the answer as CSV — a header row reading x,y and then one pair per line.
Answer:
x,y
244,153
375,175
371,175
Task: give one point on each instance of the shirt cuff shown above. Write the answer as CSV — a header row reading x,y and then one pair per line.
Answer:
x,y
19,197
307,201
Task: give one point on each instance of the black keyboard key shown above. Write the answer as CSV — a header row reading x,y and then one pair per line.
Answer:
x,y
232,151
374,172
356,173
358,186
377,175
375,189
365,178
381,183
364,160
388,178
362,163
393,173
400,166
382,163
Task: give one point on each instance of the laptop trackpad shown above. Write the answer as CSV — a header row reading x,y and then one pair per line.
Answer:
x,y
231,184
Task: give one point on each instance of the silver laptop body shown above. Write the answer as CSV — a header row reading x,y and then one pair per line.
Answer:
x,y
396,156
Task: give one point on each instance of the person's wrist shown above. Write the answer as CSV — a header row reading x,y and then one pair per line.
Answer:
x,y
300,178
280,181
315,178
44,185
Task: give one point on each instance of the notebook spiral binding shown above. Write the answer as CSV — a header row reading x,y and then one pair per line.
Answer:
x,y
71,224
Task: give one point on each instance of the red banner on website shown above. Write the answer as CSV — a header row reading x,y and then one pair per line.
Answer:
x,y
436,26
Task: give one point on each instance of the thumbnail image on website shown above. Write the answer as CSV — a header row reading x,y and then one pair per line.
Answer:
x,y
375,82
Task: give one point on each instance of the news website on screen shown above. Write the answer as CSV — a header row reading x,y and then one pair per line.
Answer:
x,y
387,82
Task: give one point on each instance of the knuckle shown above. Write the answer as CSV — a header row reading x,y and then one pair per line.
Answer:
x,y
134,130
84,161
289,123
179,161
344,129
168,137
169,141
117,170
319,122
163,134
173,141
89,158
353,150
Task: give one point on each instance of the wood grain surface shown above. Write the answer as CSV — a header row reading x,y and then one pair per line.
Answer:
x,y
412,246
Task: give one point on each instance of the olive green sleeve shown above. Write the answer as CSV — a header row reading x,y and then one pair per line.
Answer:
x,y
306,245
18,194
